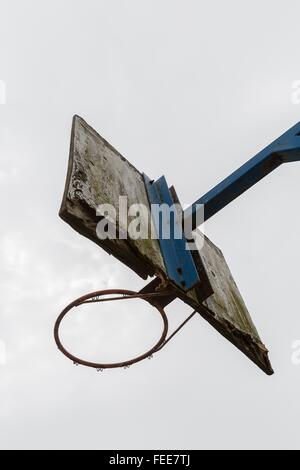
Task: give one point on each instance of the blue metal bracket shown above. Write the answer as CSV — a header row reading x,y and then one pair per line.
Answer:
x,y
178,259
285,149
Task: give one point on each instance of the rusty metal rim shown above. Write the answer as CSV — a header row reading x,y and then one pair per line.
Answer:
x,y
127,295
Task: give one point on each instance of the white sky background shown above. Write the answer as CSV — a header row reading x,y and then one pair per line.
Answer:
x,y
189,89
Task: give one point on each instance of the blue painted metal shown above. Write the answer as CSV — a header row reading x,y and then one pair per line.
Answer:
x,y
283,150
178,260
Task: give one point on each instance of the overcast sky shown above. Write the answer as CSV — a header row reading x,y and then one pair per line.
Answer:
x,y
189,89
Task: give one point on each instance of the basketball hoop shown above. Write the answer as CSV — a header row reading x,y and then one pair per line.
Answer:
x,y
99,176
97,297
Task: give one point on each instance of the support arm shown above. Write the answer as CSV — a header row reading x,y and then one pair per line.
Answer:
x,y
283,150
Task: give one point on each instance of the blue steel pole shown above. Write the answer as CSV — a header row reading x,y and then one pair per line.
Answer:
x,y
283,150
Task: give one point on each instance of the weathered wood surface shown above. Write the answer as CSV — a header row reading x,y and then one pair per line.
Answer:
x,y
98,174
226,311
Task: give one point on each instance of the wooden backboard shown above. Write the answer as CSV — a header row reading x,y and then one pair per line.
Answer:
x,y
97,175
